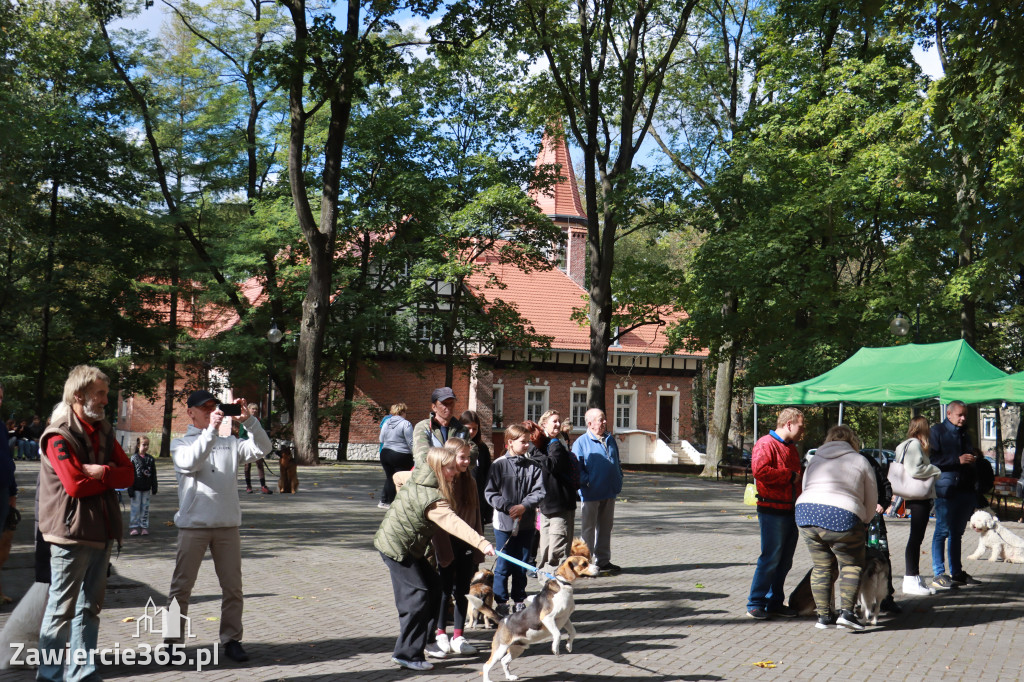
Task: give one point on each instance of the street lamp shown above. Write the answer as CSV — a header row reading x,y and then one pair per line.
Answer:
x,y
274,336
899,324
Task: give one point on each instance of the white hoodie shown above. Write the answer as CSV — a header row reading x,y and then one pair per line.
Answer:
x,y
206,465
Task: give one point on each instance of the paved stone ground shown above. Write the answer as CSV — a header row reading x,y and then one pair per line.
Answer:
x,y
319,603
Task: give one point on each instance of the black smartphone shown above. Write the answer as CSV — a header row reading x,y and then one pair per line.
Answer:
x,y
231,409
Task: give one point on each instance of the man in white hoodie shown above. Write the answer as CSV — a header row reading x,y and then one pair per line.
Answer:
x,y
209,514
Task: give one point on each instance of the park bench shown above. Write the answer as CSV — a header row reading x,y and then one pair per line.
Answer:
x,y
730,469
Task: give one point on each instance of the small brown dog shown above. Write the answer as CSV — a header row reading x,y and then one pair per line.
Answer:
x,y
482,588
288,481
579,548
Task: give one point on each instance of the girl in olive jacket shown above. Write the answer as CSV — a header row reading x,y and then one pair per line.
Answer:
x,y
420,508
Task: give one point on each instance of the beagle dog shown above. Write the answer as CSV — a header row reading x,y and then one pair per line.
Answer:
x,y
545,615
481,587
579,548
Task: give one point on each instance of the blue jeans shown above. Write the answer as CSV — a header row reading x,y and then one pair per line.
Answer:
x,y
78,577
139,509
952,513
778,543
517,546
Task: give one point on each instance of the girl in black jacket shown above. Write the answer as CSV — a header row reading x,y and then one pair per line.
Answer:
x,y
561,477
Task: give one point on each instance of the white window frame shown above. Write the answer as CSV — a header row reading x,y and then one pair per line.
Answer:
x,y
630,424
582,422
988,426
545,394
498,404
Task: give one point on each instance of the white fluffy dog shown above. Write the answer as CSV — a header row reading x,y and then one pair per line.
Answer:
x,y
1004,544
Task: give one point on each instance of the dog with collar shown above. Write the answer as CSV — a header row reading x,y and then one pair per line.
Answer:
x,y
546,615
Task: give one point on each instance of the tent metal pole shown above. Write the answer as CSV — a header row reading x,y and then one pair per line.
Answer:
x,y
755,422
880,426
840,413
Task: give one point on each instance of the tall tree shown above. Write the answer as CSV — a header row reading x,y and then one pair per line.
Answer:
x,y
607,63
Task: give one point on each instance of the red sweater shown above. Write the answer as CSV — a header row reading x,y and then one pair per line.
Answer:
x,y
776,468
69,469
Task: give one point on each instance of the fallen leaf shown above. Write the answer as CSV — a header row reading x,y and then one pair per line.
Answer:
x,y
765,664
168,523
699,586
294,597
129,619
213,618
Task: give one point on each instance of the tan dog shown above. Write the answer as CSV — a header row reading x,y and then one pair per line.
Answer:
x,y
482,589
545,616
288,481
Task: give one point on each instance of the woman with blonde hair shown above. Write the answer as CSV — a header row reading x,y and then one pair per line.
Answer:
x,y
424,505
913,454
838,501
561,476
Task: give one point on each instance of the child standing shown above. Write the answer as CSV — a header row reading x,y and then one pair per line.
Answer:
x,y
457,560
145,481
514,489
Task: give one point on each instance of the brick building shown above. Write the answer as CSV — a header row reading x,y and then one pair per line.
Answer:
x,y
648,391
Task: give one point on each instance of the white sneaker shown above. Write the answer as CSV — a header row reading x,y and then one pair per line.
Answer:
x,y
442,643
461,647
434,651
912,585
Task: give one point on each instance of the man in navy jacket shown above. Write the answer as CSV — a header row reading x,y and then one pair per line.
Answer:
x,y
955,499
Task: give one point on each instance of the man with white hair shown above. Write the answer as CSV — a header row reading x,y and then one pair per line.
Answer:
x,y
79,515
600,484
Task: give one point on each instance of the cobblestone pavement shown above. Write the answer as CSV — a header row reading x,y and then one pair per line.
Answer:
x,y
319,603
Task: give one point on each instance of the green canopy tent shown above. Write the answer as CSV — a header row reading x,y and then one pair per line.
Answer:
x,y
1009,389
898,375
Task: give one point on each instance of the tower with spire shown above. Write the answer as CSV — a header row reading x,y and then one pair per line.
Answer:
x,y
561,203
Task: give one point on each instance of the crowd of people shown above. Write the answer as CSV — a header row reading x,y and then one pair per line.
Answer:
x,y
443,487
431,538
842,493
23,437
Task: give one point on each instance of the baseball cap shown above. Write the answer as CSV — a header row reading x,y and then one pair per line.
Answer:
x,y
197,398
441,394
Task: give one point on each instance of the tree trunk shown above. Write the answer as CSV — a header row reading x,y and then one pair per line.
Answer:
x,y
47,313
718,433
718,430
171,369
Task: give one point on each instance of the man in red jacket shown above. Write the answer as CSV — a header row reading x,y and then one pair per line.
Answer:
x,y
776,466
80,470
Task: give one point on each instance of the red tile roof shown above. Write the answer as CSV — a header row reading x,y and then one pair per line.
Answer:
x,y
547,299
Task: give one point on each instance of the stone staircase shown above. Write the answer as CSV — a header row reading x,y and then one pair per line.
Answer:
x,y
687,454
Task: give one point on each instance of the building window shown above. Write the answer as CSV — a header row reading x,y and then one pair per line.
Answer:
x,y
988,427
536,402
625,410
578,401
499,405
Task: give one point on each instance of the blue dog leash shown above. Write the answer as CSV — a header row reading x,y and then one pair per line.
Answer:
x,y
525,565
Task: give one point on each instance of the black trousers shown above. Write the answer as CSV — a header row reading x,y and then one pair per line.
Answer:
x,y
919,510
417,596
393,462
455,580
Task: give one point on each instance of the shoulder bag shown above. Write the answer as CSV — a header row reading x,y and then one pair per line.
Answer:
x,y
905,485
